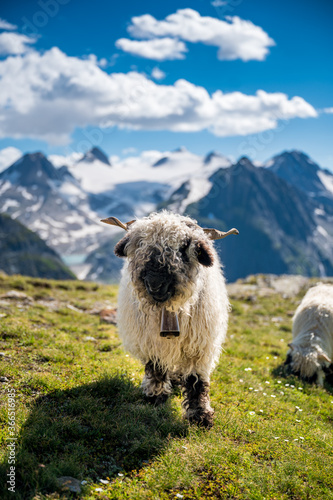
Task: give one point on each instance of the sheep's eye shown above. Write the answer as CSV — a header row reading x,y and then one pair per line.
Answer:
x,y
183,250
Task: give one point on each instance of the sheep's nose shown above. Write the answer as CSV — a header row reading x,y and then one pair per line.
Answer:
x,y
160,291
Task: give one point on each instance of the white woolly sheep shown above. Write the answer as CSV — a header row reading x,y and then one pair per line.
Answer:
x,y
311,350
172,270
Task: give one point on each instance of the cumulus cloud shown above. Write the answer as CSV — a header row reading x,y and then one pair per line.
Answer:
x,y
8,156
14,43
328,110
5,25
235,38
47,96
157,74
158,49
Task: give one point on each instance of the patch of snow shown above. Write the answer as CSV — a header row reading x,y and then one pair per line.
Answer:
x,y
23,191
326,179
37,206
8,204
320,211
198,188
322,231
5,186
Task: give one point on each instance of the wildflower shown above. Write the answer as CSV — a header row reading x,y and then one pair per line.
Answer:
x,y
264,394
252,412
266,382
250,388
248,369
279,381
292,386
185,447
287,440
296,439
287,385
84,482
301,437
273,396
262,411
281,392
276,437
300,388
297,420
120,474
267,357
98,489
179,495
241,380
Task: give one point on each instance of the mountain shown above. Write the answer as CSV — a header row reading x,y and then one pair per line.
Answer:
x,y
49,201
23,252
300,171
103,264
278,230
283,209
95,154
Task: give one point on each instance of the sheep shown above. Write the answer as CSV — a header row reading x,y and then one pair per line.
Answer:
x,y
172,270
311,350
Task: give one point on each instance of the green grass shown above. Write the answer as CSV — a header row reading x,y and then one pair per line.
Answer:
x,y
80,412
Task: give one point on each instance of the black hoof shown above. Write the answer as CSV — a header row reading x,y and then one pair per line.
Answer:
x,y
202,419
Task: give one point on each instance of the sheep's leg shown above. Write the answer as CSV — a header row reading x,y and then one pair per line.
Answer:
x,y
196,401
156,384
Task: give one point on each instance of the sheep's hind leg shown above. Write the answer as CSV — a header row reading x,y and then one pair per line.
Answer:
x,y
156,384
196,401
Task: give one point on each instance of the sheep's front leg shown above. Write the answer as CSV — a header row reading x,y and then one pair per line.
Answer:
x,y
156,384
196,401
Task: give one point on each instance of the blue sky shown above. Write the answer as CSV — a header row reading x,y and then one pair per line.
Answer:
x,y
72,99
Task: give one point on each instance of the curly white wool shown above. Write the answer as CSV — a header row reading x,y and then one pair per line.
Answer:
x,y
312,344
201,299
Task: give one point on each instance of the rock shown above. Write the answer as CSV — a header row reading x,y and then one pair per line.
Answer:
x,y
4,379
15,295
67,483
108,316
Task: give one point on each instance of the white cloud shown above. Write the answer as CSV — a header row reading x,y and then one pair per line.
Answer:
x,y
8,156
5,25
328,110
46,96
157,74
14,43
159,49
234,37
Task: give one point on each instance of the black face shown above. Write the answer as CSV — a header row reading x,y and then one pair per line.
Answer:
x,y
159,282
289,371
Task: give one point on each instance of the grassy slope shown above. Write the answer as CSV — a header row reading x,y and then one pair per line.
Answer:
x,y
80,411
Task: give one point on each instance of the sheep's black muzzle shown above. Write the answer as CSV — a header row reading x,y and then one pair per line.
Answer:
x,y
159,282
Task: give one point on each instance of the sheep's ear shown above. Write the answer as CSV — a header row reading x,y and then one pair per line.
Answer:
x,y
291,346
119,249
204,254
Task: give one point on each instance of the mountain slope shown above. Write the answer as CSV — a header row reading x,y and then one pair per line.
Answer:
x,y
23,252
276,223
300,171
49,201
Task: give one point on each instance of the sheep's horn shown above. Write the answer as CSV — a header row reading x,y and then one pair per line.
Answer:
x,y
214,234
116,222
